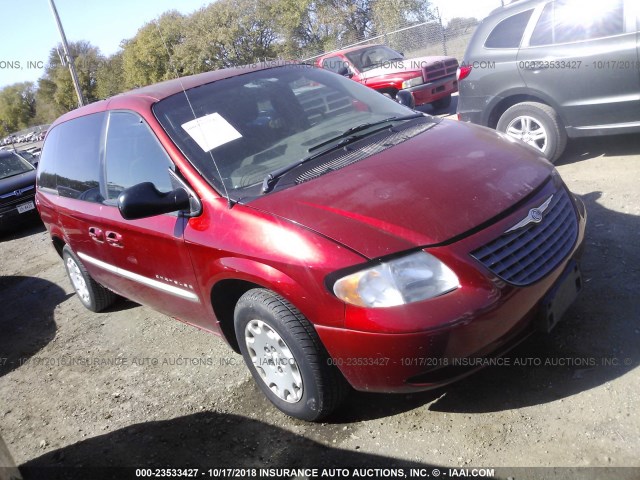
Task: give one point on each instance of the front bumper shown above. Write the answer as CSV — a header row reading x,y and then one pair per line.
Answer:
x,y
432,91
485,318
10,215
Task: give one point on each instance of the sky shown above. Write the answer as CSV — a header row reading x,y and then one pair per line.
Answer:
x,y
29,31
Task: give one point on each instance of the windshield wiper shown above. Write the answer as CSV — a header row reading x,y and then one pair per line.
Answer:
x,y
364,126
272,178
345,138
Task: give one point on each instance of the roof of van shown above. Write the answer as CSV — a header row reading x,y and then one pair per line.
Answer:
x,y
158,91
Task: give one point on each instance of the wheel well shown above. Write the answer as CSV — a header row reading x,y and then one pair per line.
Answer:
x,y
224,297
506,104
58,244
391,91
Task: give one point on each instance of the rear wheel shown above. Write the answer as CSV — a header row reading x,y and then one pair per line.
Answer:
x,y
92,295
536,124
285,356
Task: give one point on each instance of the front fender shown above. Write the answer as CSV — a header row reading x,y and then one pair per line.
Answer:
x,y
310,297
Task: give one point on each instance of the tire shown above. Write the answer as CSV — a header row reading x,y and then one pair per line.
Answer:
x,y
442,103
285,356
92,295
536,124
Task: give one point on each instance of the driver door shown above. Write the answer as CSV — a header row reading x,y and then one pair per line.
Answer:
x,y
148,256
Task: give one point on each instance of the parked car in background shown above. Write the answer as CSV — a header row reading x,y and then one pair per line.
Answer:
x,y
430,80
17,189
331,235
29,156
542,71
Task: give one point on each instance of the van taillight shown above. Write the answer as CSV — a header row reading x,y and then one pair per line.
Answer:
x,y
463,72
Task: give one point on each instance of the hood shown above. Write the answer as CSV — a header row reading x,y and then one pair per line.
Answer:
x,y
16,182
406,65
424,191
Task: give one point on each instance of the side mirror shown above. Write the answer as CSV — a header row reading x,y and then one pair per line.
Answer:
x,y
405,98
344,71
144,200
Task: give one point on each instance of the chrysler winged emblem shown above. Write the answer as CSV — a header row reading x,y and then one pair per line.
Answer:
x,y
535,215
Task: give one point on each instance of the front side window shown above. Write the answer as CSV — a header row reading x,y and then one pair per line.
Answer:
x,y
572,21
133,155
238,130
508,33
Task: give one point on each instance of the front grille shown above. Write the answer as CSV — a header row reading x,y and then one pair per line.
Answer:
x,y
10,198
524,256
440,70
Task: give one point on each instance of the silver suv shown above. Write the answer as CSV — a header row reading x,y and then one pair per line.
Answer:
x,y
542,71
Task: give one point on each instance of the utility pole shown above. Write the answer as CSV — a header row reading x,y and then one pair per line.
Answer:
x,y
67,55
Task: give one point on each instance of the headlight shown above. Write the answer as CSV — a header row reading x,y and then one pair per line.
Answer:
x,y
412,82
416,277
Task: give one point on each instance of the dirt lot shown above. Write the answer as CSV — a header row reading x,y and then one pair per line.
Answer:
x,y
153,392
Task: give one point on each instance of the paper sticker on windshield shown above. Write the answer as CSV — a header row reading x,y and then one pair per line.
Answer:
x,y
211,131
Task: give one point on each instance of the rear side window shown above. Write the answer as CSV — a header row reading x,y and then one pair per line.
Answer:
x,y
564,22
508,33
134,155
46,165
70,159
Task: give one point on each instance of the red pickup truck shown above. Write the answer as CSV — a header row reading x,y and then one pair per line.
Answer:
x,y
428,79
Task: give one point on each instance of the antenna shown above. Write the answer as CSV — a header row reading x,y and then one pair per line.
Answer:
x,y
175,72
67,55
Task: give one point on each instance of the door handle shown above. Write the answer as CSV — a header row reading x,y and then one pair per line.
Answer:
x,y
96,234
114,239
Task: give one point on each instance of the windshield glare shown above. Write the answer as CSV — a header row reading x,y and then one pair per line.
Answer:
x,y
237,130
12,164
372,57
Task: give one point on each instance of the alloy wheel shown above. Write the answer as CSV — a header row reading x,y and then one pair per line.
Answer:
x,y
529,130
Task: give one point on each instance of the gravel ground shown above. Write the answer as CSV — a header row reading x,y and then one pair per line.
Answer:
x,y
154,392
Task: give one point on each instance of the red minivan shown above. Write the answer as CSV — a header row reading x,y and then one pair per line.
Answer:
x,y
331,235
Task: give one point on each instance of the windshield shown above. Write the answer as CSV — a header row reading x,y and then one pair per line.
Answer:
x,y
373,57
12,164
238,130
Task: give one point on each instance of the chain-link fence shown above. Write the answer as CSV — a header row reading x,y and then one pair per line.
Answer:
x,y
449,36
428,38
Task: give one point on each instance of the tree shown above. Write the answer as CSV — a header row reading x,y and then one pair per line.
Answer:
x,y
110,76
56,92
308,27
17,106
227,33
223,34
149,57
461,25
390,15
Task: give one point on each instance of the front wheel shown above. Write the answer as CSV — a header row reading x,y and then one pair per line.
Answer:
x,y
93,296
537,125
285,356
